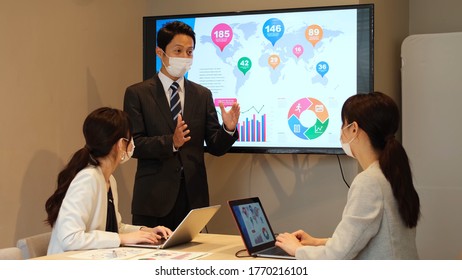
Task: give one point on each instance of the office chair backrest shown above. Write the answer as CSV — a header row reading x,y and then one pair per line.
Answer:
x,y
10,253
34,246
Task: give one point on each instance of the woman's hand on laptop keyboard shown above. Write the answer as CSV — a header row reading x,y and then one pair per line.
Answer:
x,y
145,235
288,242
164,232
139,236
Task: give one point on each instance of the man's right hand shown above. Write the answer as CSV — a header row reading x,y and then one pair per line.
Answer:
x,y
180,136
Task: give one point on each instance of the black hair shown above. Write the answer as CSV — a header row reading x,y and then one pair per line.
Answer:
x,y
102,129
378,115
170,29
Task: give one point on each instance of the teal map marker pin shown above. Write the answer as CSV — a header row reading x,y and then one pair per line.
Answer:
x,y
244,64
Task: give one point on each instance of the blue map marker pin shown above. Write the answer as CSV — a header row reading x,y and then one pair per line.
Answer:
x,y
273,29
322,68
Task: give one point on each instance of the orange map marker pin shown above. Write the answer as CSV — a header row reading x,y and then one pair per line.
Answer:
x,y
313,34
274,60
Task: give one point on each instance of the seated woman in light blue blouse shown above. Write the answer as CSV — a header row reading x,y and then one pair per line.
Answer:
x,y
380,217
83,211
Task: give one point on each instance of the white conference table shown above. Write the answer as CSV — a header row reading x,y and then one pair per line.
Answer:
x,y
219,247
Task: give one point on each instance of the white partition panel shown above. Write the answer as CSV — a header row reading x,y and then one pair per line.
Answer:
x,y
432,135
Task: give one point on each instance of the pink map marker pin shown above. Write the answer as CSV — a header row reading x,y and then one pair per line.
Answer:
x,y
222,34
298,50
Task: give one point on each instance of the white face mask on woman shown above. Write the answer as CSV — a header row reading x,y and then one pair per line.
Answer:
x,y
129,154
178,66
346,146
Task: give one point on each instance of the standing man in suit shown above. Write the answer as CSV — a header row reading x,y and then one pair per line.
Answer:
x,y
169,137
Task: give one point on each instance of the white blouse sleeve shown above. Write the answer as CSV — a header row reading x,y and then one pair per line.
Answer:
x,y
81,222
360,222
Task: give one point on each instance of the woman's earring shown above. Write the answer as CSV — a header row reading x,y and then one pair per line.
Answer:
x,y
123,156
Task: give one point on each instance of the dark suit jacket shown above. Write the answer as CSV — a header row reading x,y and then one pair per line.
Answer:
x,y
157,179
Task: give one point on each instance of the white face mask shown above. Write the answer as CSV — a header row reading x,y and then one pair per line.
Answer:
x,y
129,154
346,146
178,66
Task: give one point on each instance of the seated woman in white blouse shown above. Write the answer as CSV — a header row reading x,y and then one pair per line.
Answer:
x,y
380,217
83,211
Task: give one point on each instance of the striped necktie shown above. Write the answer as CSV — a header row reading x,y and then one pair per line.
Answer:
x,y
175,106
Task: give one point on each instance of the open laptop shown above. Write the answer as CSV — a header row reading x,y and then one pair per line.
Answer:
x,y
255,229
187,230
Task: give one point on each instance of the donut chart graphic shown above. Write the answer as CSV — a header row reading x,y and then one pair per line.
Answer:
x,y
322,118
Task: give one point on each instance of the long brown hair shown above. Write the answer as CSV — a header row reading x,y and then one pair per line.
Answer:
x,y
102,129
378,115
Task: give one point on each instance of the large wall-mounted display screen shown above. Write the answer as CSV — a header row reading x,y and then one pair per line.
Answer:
x,y
290,70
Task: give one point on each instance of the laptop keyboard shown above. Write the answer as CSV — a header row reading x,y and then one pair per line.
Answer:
x,y
277,251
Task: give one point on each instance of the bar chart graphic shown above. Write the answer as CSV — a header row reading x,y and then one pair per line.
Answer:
x,y
252,129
